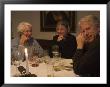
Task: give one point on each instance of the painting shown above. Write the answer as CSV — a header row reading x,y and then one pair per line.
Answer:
x,y
49,19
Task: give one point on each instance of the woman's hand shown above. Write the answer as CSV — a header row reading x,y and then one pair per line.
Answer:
x,y
23,39
80,41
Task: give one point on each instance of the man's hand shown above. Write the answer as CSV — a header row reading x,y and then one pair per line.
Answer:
x,y
80,41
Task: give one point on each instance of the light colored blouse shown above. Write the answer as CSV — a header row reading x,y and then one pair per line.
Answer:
x,y
17,51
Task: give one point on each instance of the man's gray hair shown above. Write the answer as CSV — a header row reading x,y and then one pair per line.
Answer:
x,y
91,19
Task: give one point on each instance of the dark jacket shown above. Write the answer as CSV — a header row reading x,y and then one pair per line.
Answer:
x,y
86,61
67,46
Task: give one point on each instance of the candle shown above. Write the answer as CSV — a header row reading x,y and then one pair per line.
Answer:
x,y
27,67
26,53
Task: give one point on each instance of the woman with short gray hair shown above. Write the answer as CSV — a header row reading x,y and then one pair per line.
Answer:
x,y
25,40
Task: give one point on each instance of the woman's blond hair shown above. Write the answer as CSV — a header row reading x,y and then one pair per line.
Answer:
x,y
22,26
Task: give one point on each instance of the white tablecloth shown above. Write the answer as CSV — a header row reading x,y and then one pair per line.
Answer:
x,y
43,70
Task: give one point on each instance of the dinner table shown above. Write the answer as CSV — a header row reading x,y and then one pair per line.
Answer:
x,y
43,67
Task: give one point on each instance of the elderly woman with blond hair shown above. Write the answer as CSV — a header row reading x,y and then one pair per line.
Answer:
x,y
25,40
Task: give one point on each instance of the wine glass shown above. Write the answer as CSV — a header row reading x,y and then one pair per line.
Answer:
x,y
17,61
32,54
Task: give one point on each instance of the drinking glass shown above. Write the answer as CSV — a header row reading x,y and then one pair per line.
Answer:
x,y
17,60
56,53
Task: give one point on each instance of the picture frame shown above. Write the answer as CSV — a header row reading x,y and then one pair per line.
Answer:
x,y
2,55
49,20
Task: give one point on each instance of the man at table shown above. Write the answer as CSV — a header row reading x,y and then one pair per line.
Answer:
x,y
86,60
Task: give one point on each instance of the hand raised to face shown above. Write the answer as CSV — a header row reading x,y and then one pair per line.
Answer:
x,y
80,41
60,37
23,39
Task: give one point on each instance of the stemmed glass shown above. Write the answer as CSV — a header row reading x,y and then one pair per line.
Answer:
x,y
17,60
32,54
48,61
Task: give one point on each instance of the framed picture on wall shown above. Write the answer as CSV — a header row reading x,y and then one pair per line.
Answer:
x,y
49,20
